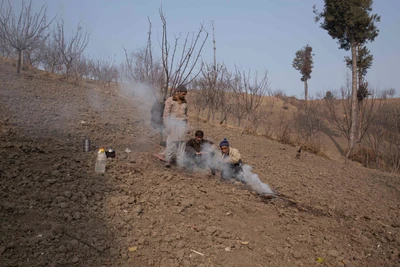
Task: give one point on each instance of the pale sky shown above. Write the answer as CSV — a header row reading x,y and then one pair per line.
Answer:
x,y
256,34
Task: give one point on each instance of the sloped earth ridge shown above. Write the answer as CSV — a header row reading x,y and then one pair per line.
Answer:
x,y
55,211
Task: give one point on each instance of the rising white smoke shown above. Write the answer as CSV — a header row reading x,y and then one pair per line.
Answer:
x,y
144,94
212,159
252,180
145,98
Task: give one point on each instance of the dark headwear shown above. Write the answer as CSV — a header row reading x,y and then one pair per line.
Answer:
x,y
181,88
199,133
224,143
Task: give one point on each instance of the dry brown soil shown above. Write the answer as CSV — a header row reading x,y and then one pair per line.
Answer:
x,y
56,211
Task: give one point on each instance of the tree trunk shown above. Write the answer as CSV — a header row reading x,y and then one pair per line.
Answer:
x,y
354,113
67,70
223,117
305,91
20,60
209,114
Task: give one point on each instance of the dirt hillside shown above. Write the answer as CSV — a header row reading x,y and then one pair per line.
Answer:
x,y
56,211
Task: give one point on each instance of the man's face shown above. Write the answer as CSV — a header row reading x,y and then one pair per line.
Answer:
x,y
198,139
182,95
225,149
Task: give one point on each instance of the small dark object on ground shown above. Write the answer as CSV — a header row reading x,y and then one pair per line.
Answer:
x,y
110,153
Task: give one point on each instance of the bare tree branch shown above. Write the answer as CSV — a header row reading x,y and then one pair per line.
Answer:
x,y
181,72
28,31
70,48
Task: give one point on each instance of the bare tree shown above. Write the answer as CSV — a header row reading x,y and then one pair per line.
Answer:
x,y
198,98
208,84
104,71
33,56
70,48
27,31
215,83
80,69
391,92
51,56
209,78
5,49
249,93
144,67
224,99
180,69
375,138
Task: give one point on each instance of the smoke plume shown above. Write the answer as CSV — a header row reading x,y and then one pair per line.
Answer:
x,y
211,159
252,180
145,97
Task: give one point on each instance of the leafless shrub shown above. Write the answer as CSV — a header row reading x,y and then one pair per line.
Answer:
x,y
283,129
224,95
50,56
308,123
6,50
391,92
267,122
33,56
248,93
70,48
104,71
81,69
141,66
208,82
212,96
383,139
280,94
256,119
213,87
269,129
198,98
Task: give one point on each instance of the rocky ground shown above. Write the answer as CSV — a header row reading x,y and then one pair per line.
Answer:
x,y
56,211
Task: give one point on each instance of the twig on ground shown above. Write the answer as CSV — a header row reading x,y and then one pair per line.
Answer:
x,y
197,252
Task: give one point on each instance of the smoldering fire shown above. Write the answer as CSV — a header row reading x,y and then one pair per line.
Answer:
x,y
211,158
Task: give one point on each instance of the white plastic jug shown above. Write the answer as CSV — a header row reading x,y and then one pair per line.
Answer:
x,y
101,161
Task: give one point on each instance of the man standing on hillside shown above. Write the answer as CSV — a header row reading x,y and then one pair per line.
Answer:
x,y
176,125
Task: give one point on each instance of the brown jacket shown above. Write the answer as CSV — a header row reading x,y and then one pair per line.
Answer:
x,y
175,118
192,146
